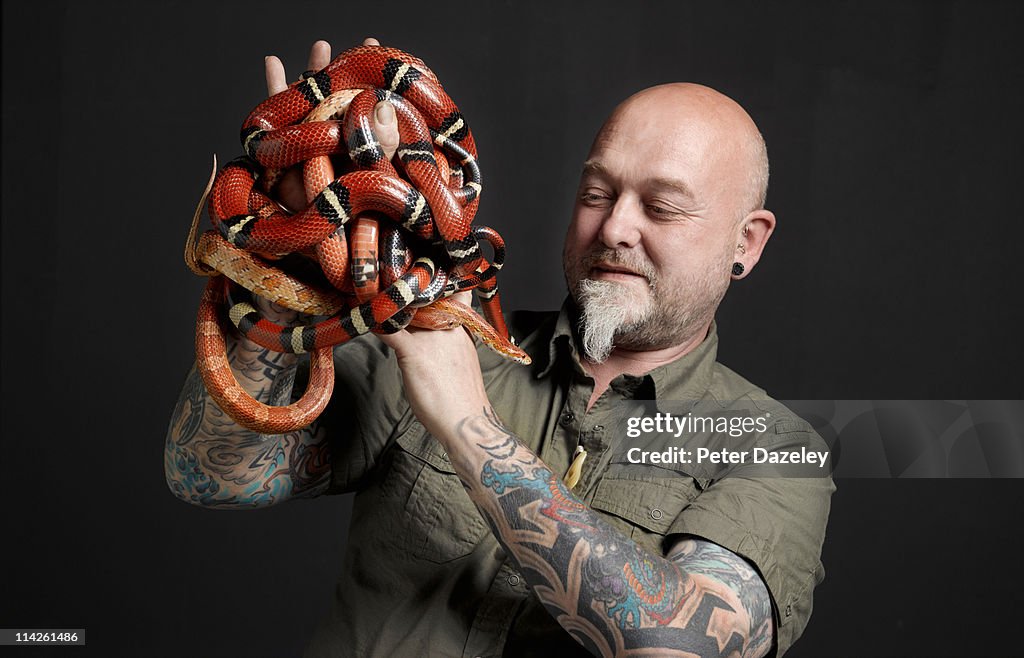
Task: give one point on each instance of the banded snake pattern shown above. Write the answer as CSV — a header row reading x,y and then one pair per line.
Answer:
x,y
375,250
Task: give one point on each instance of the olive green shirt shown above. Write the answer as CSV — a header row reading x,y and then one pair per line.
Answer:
x,y
424,576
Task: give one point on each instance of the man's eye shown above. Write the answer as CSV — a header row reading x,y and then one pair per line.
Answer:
x,y
593,197
661,211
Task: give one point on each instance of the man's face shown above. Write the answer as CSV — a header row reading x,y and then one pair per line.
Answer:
x,y
648,253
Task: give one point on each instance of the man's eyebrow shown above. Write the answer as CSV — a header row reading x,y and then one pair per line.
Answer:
x,y
673,185
661,183
594,167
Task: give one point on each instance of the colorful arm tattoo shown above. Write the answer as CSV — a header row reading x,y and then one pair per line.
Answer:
x,y
612,595
212,462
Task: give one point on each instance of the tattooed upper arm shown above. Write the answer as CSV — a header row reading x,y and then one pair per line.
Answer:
x,y
701,558
210,461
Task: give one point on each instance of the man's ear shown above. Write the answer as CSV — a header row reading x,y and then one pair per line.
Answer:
x,y
752,235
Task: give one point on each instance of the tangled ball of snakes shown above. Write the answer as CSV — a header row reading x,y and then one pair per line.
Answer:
x,y
379,247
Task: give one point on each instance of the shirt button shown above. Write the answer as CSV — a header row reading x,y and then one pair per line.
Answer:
x,y
656,514
568,417
513,580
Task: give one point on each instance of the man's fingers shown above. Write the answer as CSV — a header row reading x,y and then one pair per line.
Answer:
x,y
319,55
384,122
386,126
274,71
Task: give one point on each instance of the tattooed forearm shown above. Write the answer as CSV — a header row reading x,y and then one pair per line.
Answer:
x,y
257,369
209,460
494,438
608,592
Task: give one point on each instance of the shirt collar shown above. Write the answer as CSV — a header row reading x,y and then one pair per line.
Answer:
x,y
686,378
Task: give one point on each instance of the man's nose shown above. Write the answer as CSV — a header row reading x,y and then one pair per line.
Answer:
x,y
621,226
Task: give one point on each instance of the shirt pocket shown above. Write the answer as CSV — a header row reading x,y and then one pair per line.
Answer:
x,y
439,522
643,503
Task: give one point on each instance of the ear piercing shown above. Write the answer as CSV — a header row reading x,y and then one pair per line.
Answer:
x,y
737,268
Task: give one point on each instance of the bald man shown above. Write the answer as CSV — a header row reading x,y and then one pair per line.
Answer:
x,y
503,510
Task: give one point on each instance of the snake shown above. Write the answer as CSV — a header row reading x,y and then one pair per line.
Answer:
x,y
376,249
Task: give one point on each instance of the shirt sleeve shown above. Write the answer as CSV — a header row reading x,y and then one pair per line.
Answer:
x,y
367,410
776,523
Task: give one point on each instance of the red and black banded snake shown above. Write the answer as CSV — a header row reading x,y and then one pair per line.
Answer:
x,y
392,247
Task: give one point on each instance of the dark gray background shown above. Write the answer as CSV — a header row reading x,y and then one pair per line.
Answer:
x,y
894,131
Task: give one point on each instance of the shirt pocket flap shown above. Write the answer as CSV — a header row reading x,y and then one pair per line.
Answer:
x,y
422,445
652,503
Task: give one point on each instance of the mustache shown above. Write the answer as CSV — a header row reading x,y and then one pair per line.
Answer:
x,y
624,259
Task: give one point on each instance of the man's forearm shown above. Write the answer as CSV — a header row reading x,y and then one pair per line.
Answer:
x,y
210,460
604,589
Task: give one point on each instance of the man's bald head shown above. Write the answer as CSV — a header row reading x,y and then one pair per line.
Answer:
x,y
713,121
669,210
